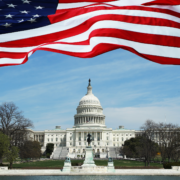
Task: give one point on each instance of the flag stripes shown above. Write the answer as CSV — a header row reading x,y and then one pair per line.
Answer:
x,y
150,32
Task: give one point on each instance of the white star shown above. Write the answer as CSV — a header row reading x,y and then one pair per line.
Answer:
x,y
32,20
26,1
37,15
7,25
25,12
11,5
22,20
9,16
38,7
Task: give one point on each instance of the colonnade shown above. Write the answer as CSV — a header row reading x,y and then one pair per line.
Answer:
x,y
89,119
81,136
38,137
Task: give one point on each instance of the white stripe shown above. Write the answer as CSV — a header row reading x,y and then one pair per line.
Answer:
x,y
72,5
11,61
147,29
77,20
149,49
159,30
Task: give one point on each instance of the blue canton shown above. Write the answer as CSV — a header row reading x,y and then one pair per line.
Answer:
x,y
19,15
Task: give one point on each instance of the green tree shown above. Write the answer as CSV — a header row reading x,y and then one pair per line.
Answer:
x,y
49,149
30,149
11,155
4,145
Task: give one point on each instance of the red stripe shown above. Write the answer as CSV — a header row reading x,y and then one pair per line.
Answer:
x,y
163,2
102,48
132,36
12,55
70,1
68,13
85,26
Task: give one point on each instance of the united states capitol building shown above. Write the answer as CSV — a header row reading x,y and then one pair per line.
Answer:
x,y
89,119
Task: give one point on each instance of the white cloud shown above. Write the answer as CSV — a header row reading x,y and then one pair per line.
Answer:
x,y
134,117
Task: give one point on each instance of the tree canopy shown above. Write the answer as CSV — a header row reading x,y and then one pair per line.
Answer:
x,y
13,123
30,149
4,145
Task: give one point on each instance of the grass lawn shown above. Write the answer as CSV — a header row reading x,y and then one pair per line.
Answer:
x,y
60,163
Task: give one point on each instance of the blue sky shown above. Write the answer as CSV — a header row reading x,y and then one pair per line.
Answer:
x,y
131,89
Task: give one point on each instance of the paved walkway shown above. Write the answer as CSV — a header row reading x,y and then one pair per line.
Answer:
x,y
45,172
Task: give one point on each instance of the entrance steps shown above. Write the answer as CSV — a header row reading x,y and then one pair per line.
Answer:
x,y
60,153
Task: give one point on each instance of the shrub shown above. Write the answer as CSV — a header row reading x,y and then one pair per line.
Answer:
x,y
169,165
76,163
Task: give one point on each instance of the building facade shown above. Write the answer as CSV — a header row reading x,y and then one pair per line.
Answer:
x,y
88,119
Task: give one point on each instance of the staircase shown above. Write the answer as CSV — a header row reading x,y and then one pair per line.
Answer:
x,y
112,152
57,152
64,152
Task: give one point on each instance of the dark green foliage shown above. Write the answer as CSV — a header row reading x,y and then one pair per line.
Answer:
x,y
30,149
49,149
76,163
170,164
130,147
4,145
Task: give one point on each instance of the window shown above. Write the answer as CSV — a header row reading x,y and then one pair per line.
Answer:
x,y
102,150
70,138
126,134
122,139
79,150
117,134
52,139
107,144
130,134
48,139
107,138
56,139
71,144
113,134
74,150
79,143
113,139
117,139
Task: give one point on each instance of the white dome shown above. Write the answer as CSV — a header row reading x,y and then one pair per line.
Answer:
x,y
89,98
89,111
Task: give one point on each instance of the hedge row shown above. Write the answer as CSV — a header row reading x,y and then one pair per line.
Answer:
x,y
169,165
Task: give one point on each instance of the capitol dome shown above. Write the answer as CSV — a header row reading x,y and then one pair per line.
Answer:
x,y
89,98
89,110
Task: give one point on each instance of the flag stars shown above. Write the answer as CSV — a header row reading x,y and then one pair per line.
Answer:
x,y
20,21
11,5
9,16
24,12
36,15
26,1
32,20
7,25
39,7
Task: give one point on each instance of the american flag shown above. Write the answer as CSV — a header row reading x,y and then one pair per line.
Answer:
x,y
150,29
